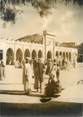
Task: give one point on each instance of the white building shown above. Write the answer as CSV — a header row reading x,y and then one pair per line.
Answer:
x,y
11,51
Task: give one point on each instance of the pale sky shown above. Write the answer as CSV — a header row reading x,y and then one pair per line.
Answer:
x,y
66,22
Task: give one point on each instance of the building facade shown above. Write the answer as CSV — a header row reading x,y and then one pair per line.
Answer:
x,y
13,51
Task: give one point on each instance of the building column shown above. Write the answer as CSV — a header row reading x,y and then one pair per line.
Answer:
x,y
4,56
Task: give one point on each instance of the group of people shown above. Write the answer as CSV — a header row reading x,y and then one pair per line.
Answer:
x,y
53,68
34,70
33,73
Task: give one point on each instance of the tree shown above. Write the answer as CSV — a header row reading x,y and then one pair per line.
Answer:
x,y
43,6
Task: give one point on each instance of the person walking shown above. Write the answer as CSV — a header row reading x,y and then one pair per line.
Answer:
x,y
24,78
2,70
28,76
58,80
53,70
57,72
49,66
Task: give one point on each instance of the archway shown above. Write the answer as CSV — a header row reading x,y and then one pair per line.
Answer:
x,y
49,55
34,55
69,56
63,55
1,54
57,54
39,54
27,53
19,55
60,53
10,57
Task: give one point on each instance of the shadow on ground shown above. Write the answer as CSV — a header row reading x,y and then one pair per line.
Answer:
x,y
50,108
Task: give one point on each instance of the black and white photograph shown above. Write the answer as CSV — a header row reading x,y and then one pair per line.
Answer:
x,y
41,58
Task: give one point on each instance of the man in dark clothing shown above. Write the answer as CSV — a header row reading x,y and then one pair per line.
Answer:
x,y
49,66
35,69
39,75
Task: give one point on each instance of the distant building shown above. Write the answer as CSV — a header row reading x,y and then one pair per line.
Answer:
x,y
35,46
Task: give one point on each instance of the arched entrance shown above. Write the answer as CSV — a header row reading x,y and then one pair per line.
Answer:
x,y
39,54
34,55
49,55
27,53
60,53
63,55
10,57
69,56
57,54
19,55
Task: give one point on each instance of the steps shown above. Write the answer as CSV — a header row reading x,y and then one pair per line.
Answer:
x,y
11,87
13,80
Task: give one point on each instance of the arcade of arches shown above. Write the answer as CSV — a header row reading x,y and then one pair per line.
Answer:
x,y
64,55
10,56
19,55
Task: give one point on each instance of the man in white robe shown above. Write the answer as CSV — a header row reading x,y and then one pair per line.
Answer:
x,y
28,75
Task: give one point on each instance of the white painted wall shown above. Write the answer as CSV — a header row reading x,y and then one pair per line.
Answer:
x,y
14,76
